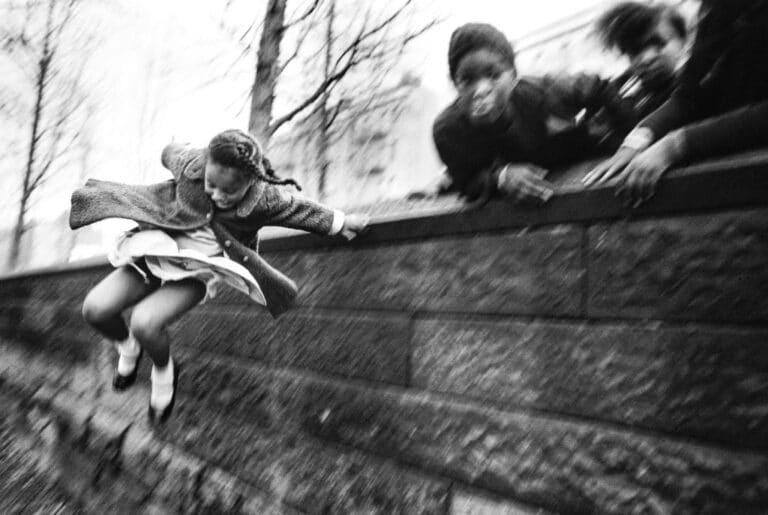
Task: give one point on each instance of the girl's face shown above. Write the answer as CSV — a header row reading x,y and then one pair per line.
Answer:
x,y
484,80
225,185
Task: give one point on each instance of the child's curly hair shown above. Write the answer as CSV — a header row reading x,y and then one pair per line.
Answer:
x,y
623,26
240,150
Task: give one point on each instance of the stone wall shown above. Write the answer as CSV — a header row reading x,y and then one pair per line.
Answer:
x,y
576,358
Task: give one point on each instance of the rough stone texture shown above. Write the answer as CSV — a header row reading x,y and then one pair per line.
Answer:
x,y
48,327
373,346
707,267
234,417
711,383
67,287
562,466
306,475
526,272
77,452
45,468
265,450
25,486
190,485
548,462
465,502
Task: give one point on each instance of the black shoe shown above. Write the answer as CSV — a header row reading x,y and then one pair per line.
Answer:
x,y
121,382
166,412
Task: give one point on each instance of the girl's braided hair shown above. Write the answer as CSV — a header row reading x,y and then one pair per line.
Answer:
x,y
240,150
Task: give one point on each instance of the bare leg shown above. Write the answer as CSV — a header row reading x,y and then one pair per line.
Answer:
x,y
104,304
151,316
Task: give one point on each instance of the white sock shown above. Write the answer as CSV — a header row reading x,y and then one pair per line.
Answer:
x,y
162,386
129,350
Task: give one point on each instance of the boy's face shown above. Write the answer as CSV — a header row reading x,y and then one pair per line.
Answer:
x,y
658,54
484,80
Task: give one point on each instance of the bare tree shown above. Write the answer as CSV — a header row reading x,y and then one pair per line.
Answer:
x,y
53,121
325,121
367,39
263,92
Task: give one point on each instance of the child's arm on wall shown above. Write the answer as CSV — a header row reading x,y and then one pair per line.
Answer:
x,y
297,212
741,129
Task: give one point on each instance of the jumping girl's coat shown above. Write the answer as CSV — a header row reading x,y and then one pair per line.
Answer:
x,y
181,204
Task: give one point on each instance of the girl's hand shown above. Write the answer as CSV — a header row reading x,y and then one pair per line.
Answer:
x,y
354,225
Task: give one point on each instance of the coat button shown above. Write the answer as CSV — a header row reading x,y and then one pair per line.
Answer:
x,y
245,259
227,243
209,216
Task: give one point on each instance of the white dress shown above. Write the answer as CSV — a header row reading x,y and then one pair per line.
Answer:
x,y
190,254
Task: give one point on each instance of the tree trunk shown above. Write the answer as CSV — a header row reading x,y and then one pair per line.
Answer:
x,y
42,75
323,136
263,91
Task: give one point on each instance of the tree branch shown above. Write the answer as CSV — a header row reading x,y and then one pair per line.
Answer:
x,y
299,44
365,35
310,10
317,93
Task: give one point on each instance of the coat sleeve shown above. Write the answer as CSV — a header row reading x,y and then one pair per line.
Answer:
x,y
734,131
176,157
296,212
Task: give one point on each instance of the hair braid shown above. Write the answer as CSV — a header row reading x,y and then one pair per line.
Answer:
x,y
240,150
268,174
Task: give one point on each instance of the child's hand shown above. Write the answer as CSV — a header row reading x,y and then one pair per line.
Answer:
x,y
524,182
354,225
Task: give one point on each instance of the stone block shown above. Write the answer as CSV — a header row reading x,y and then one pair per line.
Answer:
x,y
374,347
48,327
68,287
522,272
711,267
559,464
465,502
304,474
701,381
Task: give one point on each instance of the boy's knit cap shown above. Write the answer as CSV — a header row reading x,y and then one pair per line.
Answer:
x,y
473,36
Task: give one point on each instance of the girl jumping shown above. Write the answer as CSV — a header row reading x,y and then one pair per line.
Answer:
x,y
196,232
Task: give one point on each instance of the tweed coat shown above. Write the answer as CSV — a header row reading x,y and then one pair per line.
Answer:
x,y
182,204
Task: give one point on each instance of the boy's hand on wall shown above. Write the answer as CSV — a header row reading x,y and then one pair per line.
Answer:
x,y
611,167
638,182
524,182
354,225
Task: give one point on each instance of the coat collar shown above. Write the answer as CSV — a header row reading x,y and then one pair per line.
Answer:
x,y
195,168
251,198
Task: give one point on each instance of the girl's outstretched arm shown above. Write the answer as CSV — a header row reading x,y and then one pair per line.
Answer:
x,y
296,212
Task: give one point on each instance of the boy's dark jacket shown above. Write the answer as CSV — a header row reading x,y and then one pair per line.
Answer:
x,y
182,204
554,122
